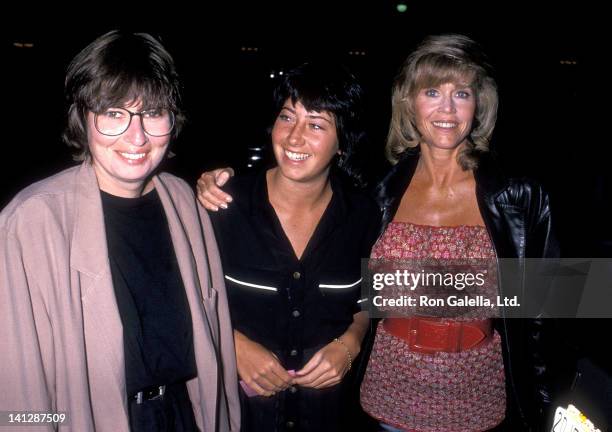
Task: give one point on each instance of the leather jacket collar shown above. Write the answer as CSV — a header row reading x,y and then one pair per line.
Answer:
x,y
388,193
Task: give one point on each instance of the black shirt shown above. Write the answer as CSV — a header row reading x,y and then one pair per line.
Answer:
x,y
293,306
157,328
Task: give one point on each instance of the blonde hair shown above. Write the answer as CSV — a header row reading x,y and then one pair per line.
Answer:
x,y
438,60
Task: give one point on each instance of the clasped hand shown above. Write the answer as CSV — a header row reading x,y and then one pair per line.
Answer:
x,y
261,370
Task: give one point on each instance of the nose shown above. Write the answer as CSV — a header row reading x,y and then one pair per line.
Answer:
x,y
135,133
447,104
296,135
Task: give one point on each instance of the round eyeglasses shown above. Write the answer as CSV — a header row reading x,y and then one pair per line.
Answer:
x,y
114,121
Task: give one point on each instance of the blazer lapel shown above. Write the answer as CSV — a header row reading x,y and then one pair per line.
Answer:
x,y
103,330
193,266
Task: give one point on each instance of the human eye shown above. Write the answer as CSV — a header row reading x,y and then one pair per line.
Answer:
x,y
463,94
316,126
431,92
114,114
153,113
284,117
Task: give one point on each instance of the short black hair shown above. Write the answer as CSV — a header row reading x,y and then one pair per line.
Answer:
x,y
327,86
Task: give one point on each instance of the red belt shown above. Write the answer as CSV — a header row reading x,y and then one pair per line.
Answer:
x,y
430,335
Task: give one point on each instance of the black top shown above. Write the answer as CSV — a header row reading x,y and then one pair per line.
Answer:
x,y
157,328
294,306
275,299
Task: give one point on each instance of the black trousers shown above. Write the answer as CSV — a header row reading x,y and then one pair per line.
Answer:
x,y
172,412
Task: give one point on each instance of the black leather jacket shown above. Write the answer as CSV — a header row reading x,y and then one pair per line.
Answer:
x,y
517,217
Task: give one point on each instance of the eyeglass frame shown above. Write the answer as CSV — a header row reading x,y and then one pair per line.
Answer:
x,y
132,114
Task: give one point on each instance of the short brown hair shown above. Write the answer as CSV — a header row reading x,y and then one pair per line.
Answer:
x,y
115,69
438,60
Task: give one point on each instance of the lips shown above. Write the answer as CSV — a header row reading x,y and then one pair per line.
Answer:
x,y
296,156
133,158
445,125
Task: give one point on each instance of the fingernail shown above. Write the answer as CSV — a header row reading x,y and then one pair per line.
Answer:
x,y
224,206
229,199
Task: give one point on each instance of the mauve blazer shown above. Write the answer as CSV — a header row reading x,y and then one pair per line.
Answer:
x,y
61,338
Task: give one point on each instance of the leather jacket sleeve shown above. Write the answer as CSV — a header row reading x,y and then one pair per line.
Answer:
x,y
541,243
530,342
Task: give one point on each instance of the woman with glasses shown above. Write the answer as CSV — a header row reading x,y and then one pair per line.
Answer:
x,y
112,302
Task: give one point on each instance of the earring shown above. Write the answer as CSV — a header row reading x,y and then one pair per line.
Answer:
x,y
341,157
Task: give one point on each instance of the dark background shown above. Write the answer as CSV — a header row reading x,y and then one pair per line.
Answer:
x,y
226,53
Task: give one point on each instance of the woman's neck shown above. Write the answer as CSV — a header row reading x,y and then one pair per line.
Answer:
x,y
288,194
440,168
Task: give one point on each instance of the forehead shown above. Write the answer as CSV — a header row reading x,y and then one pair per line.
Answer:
x,y
142,95
439,80
429,75
298,105
132,104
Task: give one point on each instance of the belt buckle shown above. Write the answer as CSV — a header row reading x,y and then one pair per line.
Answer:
x,y
151,394
428,337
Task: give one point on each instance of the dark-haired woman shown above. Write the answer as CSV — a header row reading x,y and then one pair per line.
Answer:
x,y
291,245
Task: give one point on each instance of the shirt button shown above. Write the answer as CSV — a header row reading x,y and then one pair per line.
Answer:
x,y
290,424
296,275
293,389
293,353
296,313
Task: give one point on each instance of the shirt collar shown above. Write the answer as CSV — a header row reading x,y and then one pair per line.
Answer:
x,y
337,207
334,215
